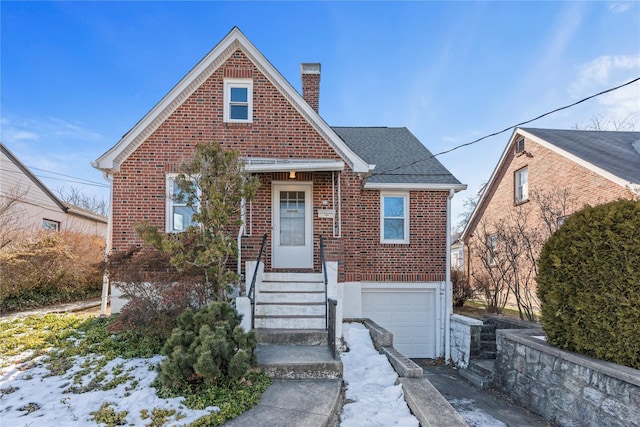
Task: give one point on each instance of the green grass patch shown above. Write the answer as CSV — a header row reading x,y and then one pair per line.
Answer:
x,y
232,401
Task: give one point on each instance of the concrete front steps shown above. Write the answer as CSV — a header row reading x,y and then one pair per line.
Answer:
x,y
296,354
291,301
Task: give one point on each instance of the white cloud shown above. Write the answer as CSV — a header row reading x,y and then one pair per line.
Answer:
x,y
620,7
609,71
50,130
17,135
602,71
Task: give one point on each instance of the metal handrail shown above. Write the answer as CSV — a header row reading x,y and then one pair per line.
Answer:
x,y
255,271
331,334
326,281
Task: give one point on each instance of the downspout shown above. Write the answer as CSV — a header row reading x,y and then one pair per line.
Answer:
x,y
447,286
107,250
240,233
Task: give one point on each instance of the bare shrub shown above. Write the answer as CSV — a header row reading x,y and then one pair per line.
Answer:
x,y
155,291
462,289
46,267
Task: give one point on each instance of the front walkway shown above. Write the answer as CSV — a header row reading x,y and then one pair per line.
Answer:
x,y
479,407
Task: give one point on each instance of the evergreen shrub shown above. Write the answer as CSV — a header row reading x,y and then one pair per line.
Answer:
x,y
208,347
589,283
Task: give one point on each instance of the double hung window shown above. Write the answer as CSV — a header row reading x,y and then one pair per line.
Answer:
x,y
394,218
238,100
522,185
180,209
492,246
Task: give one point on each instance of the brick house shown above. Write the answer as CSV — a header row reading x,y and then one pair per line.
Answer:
x,y
558,171
384,217
37,207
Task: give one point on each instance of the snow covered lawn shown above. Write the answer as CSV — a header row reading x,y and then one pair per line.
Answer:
x,y
372,396
32,396
62,370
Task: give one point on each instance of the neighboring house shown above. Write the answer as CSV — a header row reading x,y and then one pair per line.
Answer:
x,y
457,252
555,172
37,207
376,194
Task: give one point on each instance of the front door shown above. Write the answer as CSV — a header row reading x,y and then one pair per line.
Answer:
x,y
292,242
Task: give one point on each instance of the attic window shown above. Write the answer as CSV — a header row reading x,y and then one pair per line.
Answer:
x,y
238,100
520,145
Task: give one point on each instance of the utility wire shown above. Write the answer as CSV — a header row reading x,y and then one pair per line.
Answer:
x,y
74,180
68,176
387,172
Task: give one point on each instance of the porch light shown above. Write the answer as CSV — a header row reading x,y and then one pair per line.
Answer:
x,y
292,175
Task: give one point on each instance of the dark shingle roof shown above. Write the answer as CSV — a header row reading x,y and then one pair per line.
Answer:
x,y
609,150
395,152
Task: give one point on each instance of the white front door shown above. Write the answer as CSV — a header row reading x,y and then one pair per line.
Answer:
x,y
292,243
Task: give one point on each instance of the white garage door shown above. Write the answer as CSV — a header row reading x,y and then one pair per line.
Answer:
x,y
408,314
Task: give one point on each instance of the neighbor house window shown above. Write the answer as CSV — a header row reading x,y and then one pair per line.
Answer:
x,y
520,145
238,100
49,224
522,185
394,221
179,213
492,246
561,220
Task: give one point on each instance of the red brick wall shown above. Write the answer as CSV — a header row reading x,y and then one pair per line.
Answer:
x,y
548,172
277,131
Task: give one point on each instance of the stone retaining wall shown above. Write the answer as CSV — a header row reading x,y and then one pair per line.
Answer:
x,y
565,388
465,339
503,322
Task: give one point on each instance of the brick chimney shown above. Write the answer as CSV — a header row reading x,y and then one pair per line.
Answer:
x,y
310,74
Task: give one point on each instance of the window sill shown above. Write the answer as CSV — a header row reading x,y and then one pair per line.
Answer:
x,y
521,202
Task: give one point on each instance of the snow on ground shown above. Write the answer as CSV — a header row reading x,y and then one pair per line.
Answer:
x,y
34,397
372,397
474,416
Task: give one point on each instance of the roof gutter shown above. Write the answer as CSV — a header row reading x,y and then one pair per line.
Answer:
x,y
413,186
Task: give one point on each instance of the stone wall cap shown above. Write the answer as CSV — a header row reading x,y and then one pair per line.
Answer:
x,y
528,337
466,320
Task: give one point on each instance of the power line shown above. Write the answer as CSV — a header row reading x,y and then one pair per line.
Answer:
x,y
387,172
68,176
75,180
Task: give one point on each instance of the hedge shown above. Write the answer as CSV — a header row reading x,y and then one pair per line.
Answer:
x,y
589,283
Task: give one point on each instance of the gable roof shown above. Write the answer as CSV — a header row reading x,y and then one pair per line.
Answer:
x,y
602,151
110,161
64,207
611,154
25,170
400,159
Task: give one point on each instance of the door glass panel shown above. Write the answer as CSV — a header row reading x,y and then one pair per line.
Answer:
x,y
292,209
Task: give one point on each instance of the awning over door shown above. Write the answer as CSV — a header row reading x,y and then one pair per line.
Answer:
x,y
255,164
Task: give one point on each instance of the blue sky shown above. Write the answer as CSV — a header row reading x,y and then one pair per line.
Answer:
x,y
76,76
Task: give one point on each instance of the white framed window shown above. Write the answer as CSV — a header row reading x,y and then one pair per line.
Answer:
x,y
238,100
51,225
520,145
179,213
492,247
522,185
394,218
